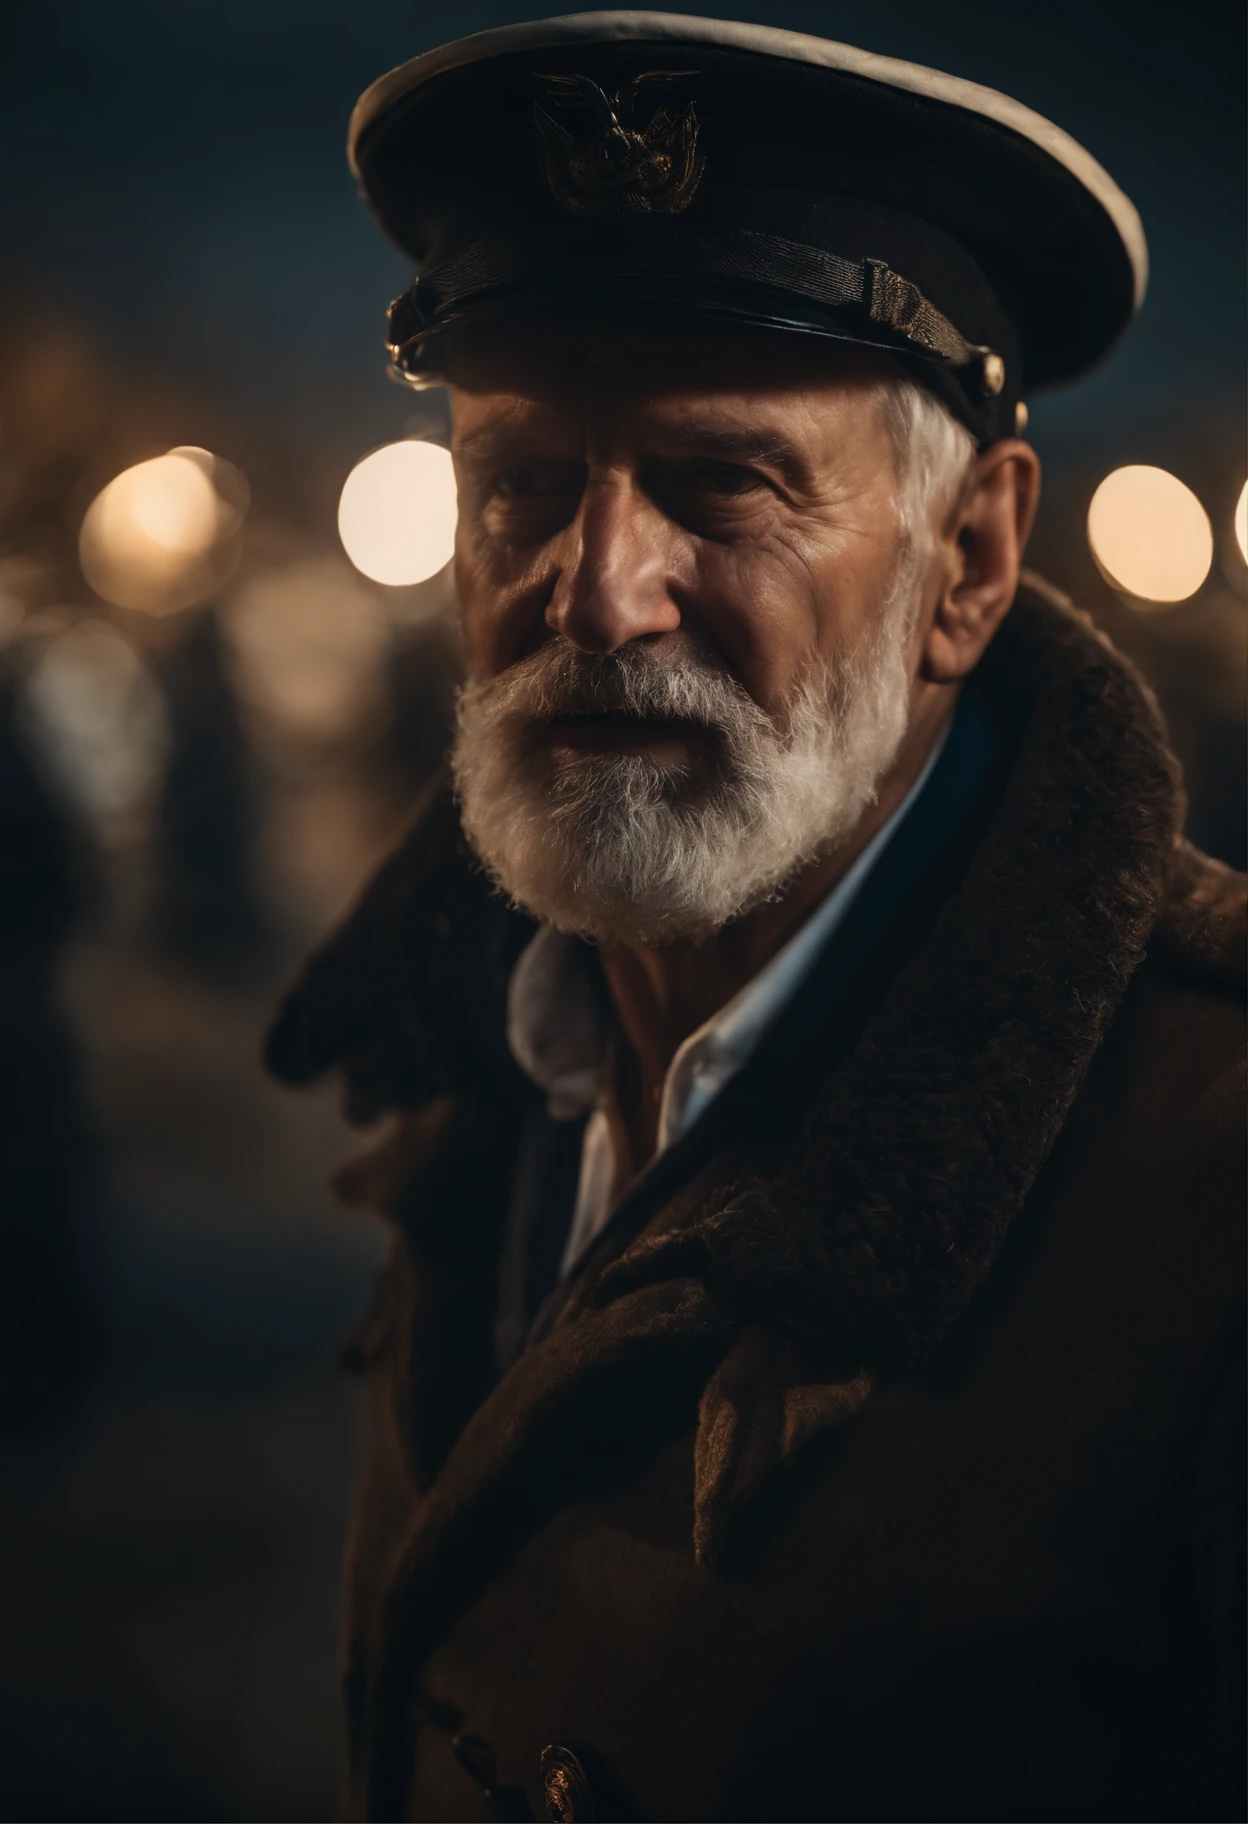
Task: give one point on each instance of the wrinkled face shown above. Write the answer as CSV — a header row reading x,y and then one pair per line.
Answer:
x,y
679,564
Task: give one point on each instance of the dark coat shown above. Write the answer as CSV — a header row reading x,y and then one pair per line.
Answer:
x,y
890,1472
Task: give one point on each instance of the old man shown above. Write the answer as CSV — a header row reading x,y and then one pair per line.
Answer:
x,y
803,1379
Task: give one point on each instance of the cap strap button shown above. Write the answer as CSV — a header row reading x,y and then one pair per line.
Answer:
x,y
992,373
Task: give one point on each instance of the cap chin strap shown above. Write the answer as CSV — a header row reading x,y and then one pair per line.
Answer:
x,y
869,290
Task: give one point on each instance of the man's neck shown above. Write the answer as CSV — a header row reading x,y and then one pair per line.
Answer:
x,y
662,993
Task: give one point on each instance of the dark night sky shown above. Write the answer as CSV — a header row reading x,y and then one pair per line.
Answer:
x,y
180,184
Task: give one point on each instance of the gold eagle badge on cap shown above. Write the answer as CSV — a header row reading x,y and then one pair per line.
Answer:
x,y
630,165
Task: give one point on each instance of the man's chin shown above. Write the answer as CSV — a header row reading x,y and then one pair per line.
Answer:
x,y
602,917
606,782
612,856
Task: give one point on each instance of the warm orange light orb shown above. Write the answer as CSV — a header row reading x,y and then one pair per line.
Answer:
x,y
170,501
397,514
165,533
1150,535
1241,522
307,644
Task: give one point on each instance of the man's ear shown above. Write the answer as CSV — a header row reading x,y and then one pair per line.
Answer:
x,y
983,545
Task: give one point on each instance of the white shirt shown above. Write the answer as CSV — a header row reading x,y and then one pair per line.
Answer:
x,y
560,1033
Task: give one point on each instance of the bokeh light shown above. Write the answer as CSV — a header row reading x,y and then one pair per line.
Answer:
x,y
396,517
166,533
1150,535
1241,522
308,643
98,715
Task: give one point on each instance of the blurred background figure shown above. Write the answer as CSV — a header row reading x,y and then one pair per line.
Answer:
x,y
209,908
46,1146
226,669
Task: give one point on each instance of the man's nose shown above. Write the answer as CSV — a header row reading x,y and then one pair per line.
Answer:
x,y
613,580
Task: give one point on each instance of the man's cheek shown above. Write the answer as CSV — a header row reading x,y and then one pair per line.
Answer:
x,y
495,620
762,617
478,628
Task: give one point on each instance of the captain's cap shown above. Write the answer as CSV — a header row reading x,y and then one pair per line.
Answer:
x,y
634,164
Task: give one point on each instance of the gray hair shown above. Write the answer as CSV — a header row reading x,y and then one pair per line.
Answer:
x,y
934,456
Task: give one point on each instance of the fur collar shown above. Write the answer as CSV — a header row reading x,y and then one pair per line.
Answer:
x,y
919,1151
769,1305
408,997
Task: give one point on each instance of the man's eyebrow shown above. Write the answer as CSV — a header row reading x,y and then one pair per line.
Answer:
x,y
724,443
730,444
489,440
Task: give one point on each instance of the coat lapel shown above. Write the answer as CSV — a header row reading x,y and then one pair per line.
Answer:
x,y
591,1393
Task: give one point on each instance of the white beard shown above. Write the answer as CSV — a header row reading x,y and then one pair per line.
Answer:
x,y
615,846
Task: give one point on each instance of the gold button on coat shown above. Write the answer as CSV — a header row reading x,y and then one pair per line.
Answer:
x,y
569,1796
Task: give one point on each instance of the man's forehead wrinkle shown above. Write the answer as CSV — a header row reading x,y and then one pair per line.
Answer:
x,y
562,413
725,437
610,423
488,419
503,422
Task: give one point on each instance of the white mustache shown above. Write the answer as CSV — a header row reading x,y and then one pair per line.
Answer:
x,y
560,680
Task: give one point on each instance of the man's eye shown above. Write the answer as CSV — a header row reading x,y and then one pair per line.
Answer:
x,y
728,478
524,484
